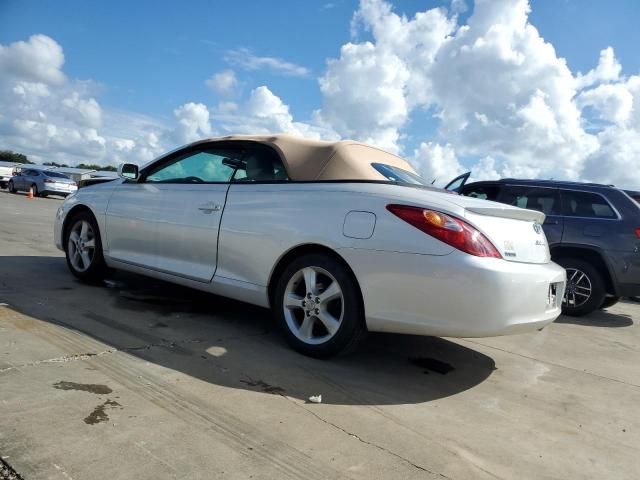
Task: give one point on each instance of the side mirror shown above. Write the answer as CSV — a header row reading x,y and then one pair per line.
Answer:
x,y
128,171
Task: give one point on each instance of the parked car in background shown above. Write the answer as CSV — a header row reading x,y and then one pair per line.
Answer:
x,y
6,171
593,231
336,237
41,183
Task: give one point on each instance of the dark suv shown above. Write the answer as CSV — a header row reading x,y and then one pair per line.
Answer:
x,y
593,231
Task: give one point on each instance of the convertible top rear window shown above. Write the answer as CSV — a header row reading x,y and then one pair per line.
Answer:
x,y
395,174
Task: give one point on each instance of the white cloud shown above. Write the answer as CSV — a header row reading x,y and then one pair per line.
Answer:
x,y
498,90
193,122
223,83
39,59
612,102
263,113
458,6
608,70
498,93
50,118
436,162
247,60
84,112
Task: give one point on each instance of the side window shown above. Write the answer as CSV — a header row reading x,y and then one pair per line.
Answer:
x,y
544,200
485,192
585,204
260,165
194,167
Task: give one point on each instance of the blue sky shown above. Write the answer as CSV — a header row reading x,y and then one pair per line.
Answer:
x,y
149,58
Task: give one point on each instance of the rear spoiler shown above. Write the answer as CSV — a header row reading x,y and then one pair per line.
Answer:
x,y
514,213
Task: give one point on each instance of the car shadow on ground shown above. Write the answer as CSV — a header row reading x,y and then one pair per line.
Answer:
x,y
233,344
599,318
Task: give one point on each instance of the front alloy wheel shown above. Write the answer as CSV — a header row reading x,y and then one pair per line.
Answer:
x,y
318,305
83,248
81,245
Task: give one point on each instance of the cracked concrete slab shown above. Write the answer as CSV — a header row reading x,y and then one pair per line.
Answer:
x,y
139,379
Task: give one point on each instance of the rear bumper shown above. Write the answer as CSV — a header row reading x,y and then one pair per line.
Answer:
x,y
455,295
59,191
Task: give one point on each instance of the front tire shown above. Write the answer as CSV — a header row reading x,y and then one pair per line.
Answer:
x,y
11,187
83,248
585,290
318,306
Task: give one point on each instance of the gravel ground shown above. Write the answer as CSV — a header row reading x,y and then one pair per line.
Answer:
x,y
6,472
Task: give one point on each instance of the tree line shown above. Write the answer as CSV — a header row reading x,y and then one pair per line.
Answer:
x,y
15,157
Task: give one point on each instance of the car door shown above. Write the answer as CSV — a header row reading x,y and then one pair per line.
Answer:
x,y
19,180
588,217
168,220
543,199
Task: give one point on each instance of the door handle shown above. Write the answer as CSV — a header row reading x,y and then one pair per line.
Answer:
x,y
209,207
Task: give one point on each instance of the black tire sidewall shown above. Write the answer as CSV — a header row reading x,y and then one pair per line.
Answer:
x,y
598,291
11,187
96,271
352,327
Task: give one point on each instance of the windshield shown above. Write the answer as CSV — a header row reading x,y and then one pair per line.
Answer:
x,y
396,174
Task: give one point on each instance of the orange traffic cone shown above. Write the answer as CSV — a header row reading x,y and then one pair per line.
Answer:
x,y
31,194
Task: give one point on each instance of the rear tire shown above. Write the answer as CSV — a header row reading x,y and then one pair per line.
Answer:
x,y
83,248
585,290
609,301
318,306
11,187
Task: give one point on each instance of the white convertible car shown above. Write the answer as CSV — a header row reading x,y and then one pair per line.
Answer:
x,y
337,238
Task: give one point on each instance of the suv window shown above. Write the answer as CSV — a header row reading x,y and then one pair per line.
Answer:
x,y
544,200
194,167
485,192
586,204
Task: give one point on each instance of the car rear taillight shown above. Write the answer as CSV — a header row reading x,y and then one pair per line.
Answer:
x,y
638,232
447,229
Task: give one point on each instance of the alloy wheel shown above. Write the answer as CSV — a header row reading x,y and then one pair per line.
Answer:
x,y
313,305
578,289
81,245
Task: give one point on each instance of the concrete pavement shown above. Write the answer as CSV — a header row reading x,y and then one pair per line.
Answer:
x,y
140,379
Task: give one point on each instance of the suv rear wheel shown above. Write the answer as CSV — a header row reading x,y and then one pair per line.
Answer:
x,y
585,290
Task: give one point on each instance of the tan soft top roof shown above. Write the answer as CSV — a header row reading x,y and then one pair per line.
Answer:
x,y
307,159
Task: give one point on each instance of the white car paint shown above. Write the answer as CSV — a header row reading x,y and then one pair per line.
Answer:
x,y
410,281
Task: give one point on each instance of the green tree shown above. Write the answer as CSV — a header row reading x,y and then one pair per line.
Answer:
x,y
10,156
91,166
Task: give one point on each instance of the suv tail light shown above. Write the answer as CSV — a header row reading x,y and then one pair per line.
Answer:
x,y
448,229
638,232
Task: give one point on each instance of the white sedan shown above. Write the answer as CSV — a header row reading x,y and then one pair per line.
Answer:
x,y
337,238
